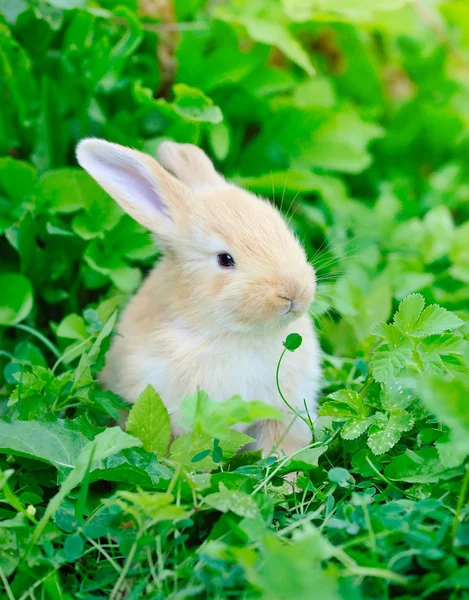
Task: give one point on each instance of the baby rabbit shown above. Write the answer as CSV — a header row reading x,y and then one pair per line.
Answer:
x,y
233,283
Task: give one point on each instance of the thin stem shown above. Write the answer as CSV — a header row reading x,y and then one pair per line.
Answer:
x,y
381,476
282,464
52,347
123,573
176,476
380,573
71,351
366,387
459,507
151,564
280,391
16,504
100,549
7,585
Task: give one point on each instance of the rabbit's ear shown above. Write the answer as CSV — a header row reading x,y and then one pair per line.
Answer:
x,y
146,191
190,165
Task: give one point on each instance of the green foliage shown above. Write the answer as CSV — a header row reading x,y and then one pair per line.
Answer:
x,y
352,117
148,420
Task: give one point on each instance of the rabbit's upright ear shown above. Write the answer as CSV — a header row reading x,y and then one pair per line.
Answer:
x,y
146,191
190,165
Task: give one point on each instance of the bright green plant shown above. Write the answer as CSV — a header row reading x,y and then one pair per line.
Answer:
x,y
352,117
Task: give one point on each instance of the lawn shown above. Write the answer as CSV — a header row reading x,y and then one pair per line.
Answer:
x,y
352,116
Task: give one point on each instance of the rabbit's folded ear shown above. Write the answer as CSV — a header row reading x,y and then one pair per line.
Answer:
x,y
190,165
146,191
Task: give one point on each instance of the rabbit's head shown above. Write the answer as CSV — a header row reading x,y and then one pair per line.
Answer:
x,y
233,263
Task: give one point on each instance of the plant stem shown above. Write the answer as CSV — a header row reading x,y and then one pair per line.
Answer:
x,y
123,573
280,391
459,507
6,585
366,387
71,351
52,347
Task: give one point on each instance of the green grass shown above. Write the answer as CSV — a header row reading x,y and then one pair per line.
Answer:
x,y
355,123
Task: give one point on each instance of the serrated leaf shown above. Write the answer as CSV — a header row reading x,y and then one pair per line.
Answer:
x,y
443,344
352,399
409,312
435,319
388,362
391,333
340,411
354,428
395,395
149,422
388,431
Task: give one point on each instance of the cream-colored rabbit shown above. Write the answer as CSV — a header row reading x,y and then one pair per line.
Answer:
x,y
213,314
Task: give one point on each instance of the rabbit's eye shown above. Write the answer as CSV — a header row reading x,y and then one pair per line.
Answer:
x,y
226,261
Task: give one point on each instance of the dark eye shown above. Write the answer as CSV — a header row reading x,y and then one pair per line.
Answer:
x,y
226,261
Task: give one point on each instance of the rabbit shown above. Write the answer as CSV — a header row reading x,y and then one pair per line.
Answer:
x,y
233,282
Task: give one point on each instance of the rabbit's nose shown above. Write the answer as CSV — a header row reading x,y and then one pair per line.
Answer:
x,y
290,303
289,293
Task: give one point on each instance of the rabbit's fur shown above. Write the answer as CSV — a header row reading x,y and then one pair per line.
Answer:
x,y
194,324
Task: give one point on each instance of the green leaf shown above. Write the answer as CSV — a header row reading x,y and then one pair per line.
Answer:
x,y
220,137
352,399
17,298
435,319
306,460
341,143
240,503
341,476
200,456
52,442
276,34
387,362
217,418
196,445
297,561
157,506
444,344
106,443
416,466
149,422
72,327
447,399
194,105
409,312
386,431
65,191
73,547
131,466
354,428
17,178
293,341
